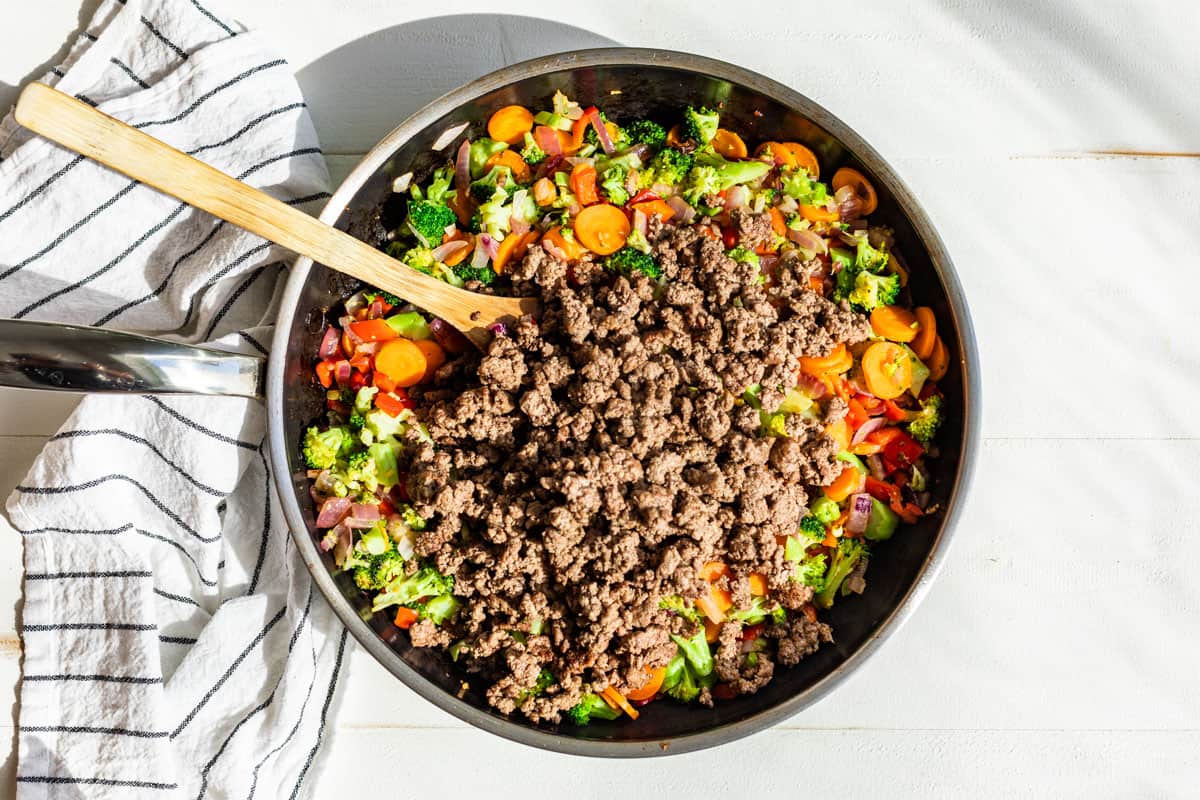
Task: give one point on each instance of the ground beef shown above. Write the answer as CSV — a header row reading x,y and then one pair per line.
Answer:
x,y
594,460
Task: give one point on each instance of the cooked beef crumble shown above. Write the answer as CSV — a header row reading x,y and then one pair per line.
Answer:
x,y
594,460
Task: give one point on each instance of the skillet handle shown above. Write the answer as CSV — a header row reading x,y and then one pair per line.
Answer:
x,y
74,358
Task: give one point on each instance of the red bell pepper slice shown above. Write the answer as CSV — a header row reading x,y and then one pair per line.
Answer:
x,y
373,330
405,617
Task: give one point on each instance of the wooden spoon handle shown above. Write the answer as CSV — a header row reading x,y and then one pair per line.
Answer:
x,y
79,127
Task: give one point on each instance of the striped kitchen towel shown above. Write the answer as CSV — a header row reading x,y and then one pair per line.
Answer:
x,y
173,643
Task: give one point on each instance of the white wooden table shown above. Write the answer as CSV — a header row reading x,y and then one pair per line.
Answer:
x,y
1056,144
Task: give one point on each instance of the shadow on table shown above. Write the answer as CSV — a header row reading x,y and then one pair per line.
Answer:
x,y
8,92
360,91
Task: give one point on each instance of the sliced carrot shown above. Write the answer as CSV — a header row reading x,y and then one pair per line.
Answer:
x,y
544,191
758,584
650,687
805,159
402,361
847,176
435,356
571,247
577,133
887,370
926,338
844,484
652,207
729,144
618,701
818,214
675,136
510,124
405,617
939,362
712,630
895,323
373,330
783,156
840,433
602,228
778,223
325,373
835,363
512,248
511,159
460,255
714,570
583,184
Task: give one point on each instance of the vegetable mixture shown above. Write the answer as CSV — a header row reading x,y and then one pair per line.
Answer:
x,y
588,190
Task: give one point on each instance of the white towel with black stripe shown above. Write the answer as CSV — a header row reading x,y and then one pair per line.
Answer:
x,y
173,645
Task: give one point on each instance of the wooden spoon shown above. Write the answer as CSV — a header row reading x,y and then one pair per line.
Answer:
x,y
79,127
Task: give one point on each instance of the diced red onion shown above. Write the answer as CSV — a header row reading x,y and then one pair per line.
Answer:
x,y
857,385
737,197
856,582
449,338
366,512
547,140
353,303
662,189
866,429
860,512
375,310
401,184
875,465
444,251
367,348
574,209
345,322
448,136
812,387
575,161
333,511
641,152
878,236
640,221
684,212
631,182
767,263
462,169
849,204
490,245
574,112
342,548
554,250
788,205
498,329
606,141
519,226
479,258
808,241
341,371
331,343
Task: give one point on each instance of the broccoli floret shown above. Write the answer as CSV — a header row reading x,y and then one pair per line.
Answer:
x,y
638,241
760,608
732,173
927,422
591,706
613,184
545,680
743,255
388,297
482,149
322,448
438,609
356,421
428,221
700,124
439,190
498,181
825,510
700,182
629,260
382,426
647,132
411,518
378,571
680,606
812,529
801,187
696,651
847,556
532,154
871,291
358,461
465,272
811,570
420,259
425,582
669,166
870,258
